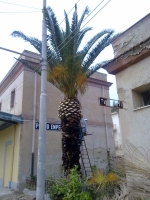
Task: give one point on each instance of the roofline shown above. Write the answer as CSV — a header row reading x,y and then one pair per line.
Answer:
x,y
130,27
96,82
23,54
121,55
7,117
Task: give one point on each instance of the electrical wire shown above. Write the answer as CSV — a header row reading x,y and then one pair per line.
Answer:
x,y
19,5
69,11
34,11
19,12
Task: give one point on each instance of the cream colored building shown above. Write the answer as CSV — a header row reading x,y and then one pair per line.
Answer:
x,y
131,66
20,97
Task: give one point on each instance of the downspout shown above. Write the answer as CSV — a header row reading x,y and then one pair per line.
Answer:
x,y
34,118
106,135
13,151
105,121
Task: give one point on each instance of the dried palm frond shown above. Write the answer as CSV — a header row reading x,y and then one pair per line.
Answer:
x,y
102,179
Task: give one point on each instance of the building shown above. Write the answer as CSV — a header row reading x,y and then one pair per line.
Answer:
x,y
19,100
131,67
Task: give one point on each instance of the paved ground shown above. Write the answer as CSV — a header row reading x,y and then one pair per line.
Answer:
x,y
7,194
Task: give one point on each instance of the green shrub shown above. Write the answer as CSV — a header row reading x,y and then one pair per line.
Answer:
x,y
71,188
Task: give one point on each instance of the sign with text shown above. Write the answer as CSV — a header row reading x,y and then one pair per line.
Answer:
x,y
49,126
110,102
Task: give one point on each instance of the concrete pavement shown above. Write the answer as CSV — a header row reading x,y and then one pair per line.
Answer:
x,y
4,191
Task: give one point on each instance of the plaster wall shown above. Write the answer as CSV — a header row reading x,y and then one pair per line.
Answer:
x,y
133,36
5,97
10,136
99,117
117,133
134,121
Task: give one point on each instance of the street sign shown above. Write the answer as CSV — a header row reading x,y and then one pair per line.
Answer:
x,y
107,102
49,126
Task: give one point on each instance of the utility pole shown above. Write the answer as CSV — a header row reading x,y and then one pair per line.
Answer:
x,y
40,191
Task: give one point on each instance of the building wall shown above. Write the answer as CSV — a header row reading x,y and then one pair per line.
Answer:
x,y
132,36
134,118
5,96
9,137
117,133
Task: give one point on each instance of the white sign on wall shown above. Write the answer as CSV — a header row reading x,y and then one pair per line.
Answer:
x,y
49,126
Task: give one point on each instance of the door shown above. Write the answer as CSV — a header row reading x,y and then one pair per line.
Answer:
x,y
7,169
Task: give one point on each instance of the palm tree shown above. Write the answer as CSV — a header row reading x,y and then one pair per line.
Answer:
x,y
68,70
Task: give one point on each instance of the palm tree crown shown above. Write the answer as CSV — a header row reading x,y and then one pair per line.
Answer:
x,y
69,67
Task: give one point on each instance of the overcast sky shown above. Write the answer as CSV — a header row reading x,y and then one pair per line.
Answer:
x,y
117,14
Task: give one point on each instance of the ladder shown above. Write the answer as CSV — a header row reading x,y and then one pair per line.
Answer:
x,y
85,158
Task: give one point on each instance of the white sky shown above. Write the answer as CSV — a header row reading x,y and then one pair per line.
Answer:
x,y
117,14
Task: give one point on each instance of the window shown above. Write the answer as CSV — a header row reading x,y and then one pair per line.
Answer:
x,y
146,98
141,96
12,100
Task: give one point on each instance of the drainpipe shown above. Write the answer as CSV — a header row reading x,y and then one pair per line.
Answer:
x,y
105,120
13,151
106,134
34,118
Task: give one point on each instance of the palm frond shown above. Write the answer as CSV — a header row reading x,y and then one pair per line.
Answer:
x,y
85,12
89,45
92,55
74,24
81,35
32,67
94,68
33,41
67,31
102,180
55,35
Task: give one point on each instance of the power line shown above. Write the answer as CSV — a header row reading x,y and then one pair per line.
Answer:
x,y
85,23
19,53
19,12
69,12
19,5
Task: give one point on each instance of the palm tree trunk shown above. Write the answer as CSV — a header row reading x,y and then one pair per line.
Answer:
x,y
70,114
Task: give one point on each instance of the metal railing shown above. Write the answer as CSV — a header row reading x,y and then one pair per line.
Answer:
x,y
31,184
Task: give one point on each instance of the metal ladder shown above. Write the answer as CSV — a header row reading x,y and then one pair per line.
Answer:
x,y
85,158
